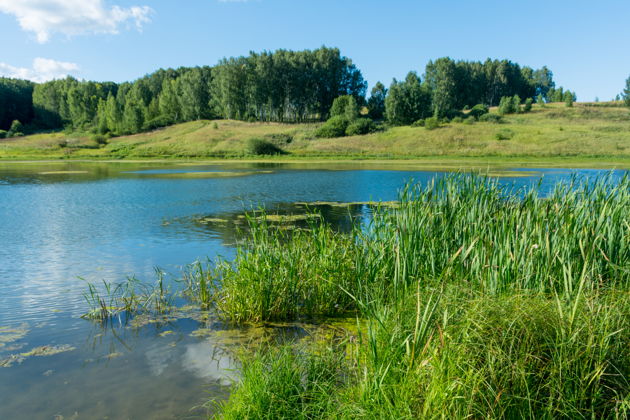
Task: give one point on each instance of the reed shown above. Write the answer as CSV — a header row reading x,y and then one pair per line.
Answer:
x,y
480,301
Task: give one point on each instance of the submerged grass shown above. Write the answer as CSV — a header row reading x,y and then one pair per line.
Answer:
x,y
480,302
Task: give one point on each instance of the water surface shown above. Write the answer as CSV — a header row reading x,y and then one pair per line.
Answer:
x,y
62,224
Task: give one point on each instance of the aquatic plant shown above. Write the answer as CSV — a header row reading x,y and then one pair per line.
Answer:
x,y
480,301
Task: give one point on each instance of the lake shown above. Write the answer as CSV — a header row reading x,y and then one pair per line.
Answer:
x,y
65,224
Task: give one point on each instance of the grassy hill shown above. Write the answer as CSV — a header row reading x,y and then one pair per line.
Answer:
x,y
588,131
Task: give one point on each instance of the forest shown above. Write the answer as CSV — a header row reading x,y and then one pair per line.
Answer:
x,y
280,86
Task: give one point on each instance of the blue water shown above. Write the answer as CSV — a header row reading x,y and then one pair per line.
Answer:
x,y
108,221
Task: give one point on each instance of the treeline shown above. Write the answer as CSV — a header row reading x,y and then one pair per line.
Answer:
x,y
282,86
450,86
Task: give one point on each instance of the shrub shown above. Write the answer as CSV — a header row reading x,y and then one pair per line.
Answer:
x,y
478,110
491,118
469,121
431,123
99,139
528,105
419,123
215,125
262,147
504,134
334,127
158,122
280,138
3,134
457,120
360,126
507,105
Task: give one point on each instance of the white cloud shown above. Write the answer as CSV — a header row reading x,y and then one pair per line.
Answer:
x,y
73,17
43,69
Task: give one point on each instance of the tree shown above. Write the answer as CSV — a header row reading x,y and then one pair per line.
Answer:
x,y
408,101
16,129
568,98
376,103
441,76
626,93
346,107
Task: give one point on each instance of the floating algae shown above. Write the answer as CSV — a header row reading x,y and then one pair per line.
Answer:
x,y
9,335
165,333
392,204
35,352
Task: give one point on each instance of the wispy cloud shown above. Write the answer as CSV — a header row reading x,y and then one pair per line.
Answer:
x,y
43,69
73,17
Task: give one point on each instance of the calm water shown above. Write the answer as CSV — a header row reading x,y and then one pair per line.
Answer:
x,y
59,229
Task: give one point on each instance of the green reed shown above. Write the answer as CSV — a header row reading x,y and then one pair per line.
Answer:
x,y
479,301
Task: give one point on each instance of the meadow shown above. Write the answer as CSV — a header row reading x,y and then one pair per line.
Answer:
x,y
588,133
471,300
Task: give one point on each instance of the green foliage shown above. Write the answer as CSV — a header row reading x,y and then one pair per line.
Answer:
x,y
509,105
568,98
346,107
491,118
478,110
419,123
99,139
360,126
3,134
471,298
376,102
334,127
457,120
626,93
528,105
262,147
505,134
16,129
431,123
540,100
407,101
16,101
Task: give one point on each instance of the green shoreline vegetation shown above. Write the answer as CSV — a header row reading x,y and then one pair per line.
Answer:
x,y
585,134
471,300
311,104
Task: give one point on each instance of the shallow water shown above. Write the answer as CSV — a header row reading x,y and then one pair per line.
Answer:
x,y
62,224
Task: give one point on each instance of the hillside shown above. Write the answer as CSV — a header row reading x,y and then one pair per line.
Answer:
x,y
589,131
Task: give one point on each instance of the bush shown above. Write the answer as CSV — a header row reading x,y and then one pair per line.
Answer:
x,y
504,134
3,134
280,138
457,120
491,118
215,125
419,123
469,121
262,147
99,139
334,127
360,126
528,105
158,122
431,123
478,110
509,105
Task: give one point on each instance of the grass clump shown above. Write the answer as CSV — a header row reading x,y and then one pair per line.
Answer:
x,y
478,300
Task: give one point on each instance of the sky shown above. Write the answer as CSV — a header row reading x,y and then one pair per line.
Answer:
x,y
584,42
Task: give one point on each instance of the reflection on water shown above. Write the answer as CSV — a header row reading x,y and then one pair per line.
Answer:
x,y
60,221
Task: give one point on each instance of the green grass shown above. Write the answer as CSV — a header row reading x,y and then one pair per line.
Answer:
x,y
472,301
585,133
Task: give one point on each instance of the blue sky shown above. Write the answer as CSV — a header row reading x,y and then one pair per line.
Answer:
x,y
585,43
